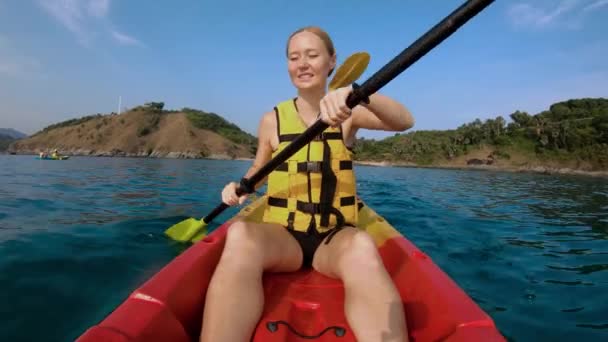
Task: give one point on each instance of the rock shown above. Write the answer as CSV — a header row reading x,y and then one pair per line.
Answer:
x,y
115,152
219,156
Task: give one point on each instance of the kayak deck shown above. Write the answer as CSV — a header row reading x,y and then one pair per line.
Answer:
x,y
299,306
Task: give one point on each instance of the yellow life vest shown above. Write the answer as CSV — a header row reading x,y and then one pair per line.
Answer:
x,y
315,189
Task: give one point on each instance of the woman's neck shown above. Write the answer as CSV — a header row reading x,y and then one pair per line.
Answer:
x,y
309,102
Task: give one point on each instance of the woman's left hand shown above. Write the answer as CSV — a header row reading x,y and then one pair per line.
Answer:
x,y
334,110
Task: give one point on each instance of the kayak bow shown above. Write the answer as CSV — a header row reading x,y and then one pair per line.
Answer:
x,y
300,305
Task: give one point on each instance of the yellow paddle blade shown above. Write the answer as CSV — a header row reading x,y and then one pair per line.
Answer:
x,y
186,230
352,68
199,236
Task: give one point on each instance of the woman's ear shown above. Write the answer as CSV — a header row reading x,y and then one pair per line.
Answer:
x,y
332,64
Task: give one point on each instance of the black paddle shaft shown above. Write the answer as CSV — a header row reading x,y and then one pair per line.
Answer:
x,y
392,69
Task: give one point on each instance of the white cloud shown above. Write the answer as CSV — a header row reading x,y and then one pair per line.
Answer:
x,y
125,39
69,13
551,14
595,5
528,15
85,18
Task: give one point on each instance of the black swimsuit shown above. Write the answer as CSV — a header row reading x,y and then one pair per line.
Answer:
x,y
310,241
309,244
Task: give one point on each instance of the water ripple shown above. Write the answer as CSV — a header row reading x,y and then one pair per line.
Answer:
x,y
79,235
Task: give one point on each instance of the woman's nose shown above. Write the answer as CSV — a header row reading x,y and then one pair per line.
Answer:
x,y
303,63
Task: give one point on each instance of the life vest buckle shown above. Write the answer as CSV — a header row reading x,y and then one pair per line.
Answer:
x,y
309,208
290,220
314,166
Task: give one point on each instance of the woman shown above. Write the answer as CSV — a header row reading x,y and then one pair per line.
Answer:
x,y
311,199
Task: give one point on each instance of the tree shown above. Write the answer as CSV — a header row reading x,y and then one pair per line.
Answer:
x,y
560,112
157,106
522,119
600,124
512,128
540,121
500,124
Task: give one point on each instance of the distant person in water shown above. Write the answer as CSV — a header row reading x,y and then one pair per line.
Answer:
x,y
296,233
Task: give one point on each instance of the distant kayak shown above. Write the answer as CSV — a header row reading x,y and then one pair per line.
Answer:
x,y
299,306
51,158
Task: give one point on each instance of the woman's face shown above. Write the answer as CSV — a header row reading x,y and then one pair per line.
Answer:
x,y
308,61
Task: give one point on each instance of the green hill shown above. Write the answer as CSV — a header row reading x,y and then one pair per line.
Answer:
x,y
144,131
218,124
7,136
570,134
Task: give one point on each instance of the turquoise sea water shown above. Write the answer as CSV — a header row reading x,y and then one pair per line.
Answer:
x,y
77,236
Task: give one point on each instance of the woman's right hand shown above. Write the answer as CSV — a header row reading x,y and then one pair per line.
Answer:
x,y
229,195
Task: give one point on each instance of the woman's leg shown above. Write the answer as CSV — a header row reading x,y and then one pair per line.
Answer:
x,y
373,307
235,297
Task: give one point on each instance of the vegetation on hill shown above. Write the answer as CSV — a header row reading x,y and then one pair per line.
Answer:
x,y
571,130
7,136
5,141
148,129
216,123
66,123
154,110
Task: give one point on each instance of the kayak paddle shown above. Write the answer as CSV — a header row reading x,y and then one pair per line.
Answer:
x,y
387,73
350,70
194,230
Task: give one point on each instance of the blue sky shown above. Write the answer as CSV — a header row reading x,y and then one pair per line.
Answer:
x,y
61,59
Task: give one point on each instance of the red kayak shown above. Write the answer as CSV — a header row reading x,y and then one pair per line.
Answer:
x,y
299,306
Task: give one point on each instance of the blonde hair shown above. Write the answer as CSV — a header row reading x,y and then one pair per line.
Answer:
x,y
319,32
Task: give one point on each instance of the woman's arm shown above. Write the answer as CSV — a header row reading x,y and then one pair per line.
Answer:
x,y
382,113
263,155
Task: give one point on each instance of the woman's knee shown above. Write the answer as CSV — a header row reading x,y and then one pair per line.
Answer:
x,y
361,254
242,242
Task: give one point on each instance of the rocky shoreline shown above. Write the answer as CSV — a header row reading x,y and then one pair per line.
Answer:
x,y
523,169
139,154
193,155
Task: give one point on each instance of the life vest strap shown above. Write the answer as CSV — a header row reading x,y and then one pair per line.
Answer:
x,y
346,201
277,202
320,137
328,185
328,136
307,207
290,219
312,166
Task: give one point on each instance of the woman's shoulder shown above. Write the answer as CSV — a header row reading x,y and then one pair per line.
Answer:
x,y
268,118
268,123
